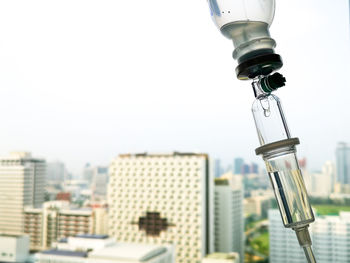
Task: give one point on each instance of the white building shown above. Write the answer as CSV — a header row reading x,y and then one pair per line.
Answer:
x,y
284,246
229,223
22,182
256,205
102,249
321,184
56,172
56,220
14,248
222,258
330,237
100,181
160,199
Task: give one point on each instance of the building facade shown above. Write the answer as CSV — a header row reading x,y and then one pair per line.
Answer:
x,y
229,222
159,199
257,205
57,220
284,246
238,165
100,181
56,172
22,182
343,163
330,236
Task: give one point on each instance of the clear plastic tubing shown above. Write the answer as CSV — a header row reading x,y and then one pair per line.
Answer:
x,y
281,162
279,153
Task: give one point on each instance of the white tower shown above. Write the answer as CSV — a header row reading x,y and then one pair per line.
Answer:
x,y
229,224
330,237
22,182
162,199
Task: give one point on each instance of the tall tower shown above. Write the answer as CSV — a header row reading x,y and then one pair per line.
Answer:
x,y
343,163
163,199
238,165
22,182
229,222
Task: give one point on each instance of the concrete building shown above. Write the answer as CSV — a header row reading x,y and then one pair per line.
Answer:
x,y
56,220
284,246
102,249
257,205
56,172
100,181
238,165
22,182
330,236
100,222
228,207
343,163
14,248
222,258
218,170
163,198
321,184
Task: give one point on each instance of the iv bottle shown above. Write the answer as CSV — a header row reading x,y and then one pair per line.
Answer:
x,y
279,153
247,23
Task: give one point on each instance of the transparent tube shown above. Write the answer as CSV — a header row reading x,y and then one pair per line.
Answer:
x,y
271,125
280,159
288,185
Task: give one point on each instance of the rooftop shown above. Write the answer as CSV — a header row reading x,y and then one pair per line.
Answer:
x,y
65,253
92,236
222,256
137,252
171,154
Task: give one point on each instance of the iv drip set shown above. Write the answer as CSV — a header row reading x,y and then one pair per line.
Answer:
x,y
246,23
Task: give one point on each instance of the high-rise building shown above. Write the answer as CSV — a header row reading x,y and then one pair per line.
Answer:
x,y
88,173
218,170
228,207
330,236
254,168
56,172
56,220
245,169
284,246
222,258
257,205
320,184
22,182
100,180
343,163
163,198
238,165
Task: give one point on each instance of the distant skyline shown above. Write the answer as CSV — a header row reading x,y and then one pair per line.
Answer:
x,y
83,81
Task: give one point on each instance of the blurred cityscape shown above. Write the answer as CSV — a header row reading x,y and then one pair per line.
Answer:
x,y
164,208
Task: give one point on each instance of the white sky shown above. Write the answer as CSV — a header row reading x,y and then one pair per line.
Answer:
x,y
82,81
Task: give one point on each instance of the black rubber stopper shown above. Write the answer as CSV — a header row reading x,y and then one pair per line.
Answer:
x,y
261,65
273,82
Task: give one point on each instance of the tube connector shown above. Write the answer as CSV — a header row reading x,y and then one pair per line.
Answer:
x,y
303,236
305,242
